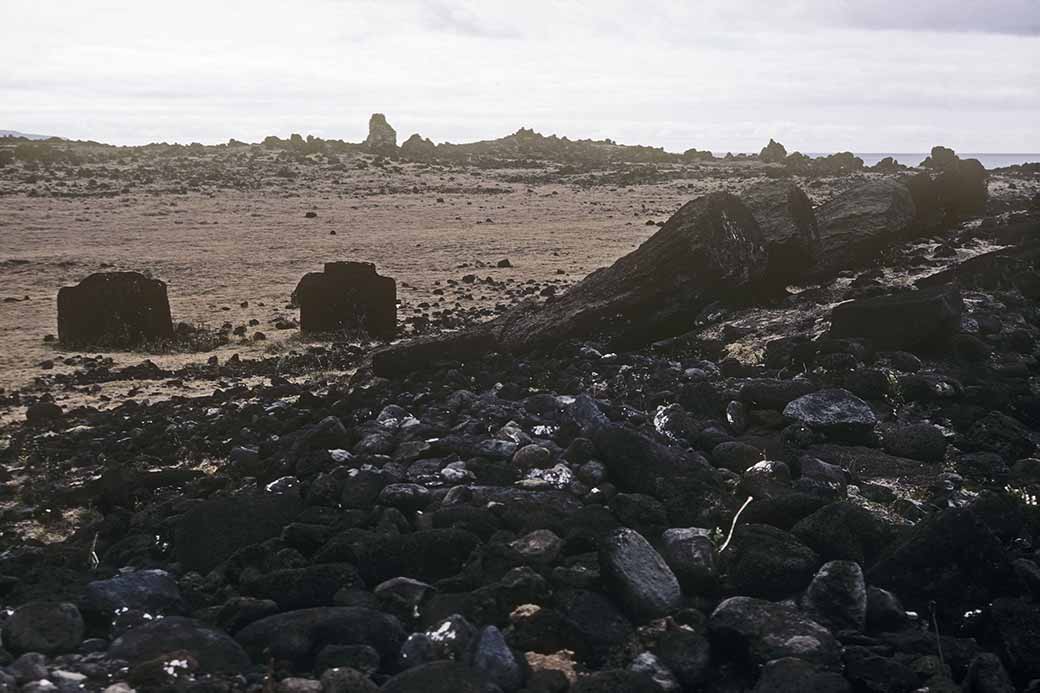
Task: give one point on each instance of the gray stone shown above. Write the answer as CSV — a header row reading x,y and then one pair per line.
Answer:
x,y
647,663
638,576
496,661
690,554
298,636
922,441
532,457
215,650
345,680
792,675
906,320
211,531
764,561
763,631
438,677
151,591
47,627
31,666
735,456
837,596
836,412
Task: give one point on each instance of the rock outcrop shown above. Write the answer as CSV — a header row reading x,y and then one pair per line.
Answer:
x,y
888,165
114,308
950,190
907,320
773,153
525,143
348,296
382,139
418,148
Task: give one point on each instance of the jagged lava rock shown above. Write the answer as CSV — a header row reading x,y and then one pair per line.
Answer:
x,y
844,531
773,153
418,148
921,441
835,412
1013,629
118,308
764,561
213,530
952,189
348,296
42,413
974,566
907,320
298,588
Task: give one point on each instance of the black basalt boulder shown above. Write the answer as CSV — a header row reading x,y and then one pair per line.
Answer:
x,y
908,320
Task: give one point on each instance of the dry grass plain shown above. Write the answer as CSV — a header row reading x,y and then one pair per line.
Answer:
x,y
216,251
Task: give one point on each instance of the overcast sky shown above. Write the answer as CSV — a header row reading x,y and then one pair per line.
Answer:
x,y
819,75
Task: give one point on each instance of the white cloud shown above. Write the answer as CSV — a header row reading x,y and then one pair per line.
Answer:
x,y
881,76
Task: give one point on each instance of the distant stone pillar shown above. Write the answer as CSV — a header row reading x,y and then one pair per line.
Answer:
x,y
382,139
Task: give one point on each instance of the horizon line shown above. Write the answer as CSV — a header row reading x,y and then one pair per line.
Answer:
x,y
720,152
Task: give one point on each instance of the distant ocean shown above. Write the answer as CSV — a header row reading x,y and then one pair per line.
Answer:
x,y
913,159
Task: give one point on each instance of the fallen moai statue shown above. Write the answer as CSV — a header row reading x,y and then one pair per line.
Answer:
x,y
718,247
857,224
